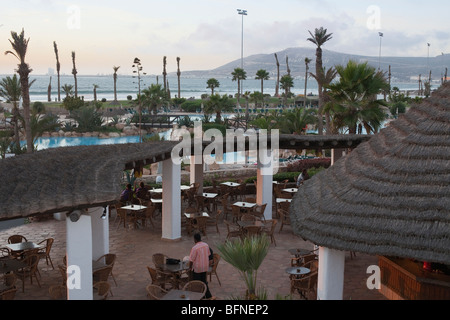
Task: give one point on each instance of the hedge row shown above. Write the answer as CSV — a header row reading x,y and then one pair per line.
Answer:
x,y
307,164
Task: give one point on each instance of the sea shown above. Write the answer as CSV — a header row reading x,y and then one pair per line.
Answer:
x,y
189,87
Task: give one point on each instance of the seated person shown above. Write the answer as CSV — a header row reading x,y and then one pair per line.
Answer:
x,y
127,194
142,191
302,177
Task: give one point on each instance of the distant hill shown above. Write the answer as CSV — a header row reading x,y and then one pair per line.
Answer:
x,y
402,68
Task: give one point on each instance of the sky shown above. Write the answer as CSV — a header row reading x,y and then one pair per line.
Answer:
x,y
207,34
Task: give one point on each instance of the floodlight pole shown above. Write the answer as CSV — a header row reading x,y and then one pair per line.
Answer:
x,y
242,13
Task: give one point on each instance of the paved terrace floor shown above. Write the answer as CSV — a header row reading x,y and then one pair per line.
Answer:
x,y
134,249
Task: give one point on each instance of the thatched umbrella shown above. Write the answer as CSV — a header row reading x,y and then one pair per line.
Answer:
x,y
69,178
391,195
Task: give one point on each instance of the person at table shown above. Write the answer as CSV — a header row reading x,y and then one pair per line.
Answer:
x,y
127,194
302,177
199,261
142,191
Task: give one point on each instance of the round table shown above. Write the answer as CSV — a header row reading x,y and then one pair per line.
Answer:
x,y
297,271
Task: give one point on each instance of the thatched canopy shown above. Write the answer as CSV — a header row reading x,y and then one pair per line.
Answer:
x,y
391,195
64,179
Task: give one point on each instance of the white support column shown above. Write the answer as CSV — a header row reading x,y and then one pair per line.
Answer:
x,y
79,258
330,285
264,189
171,207
100,231
196,173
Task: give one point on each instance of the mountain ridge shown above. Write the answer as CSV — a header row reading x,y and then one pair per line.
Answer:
x,y
402,68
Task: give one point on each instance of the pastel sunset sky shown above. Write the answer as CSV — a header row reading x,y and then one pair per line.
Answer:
x,y
206,34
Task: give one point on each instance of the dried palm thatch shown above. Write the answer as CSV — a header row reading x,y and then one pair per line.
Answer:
x,y
69,178
391,195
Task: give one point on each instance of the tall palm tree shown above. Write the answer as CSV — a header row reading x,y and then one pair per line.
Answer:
x,y
239,74
165,72
212,84
58,69
20,45
307,62
277,85
10,90
49,91
296,121
115,83
354,97
319,38
218,104
262,75
74,72
178,76
327,78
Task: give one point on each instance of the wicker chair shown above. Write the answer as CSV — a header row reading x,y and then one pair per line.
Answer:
x,y
109,259
8,294
248,217
200,224
45,251
101,290
213,269
155,292
158,260
58,292
306,286
29,271
17,238
270,232
225,205
215,221
102,275
195,286
233,231
250,231
160,278
284,218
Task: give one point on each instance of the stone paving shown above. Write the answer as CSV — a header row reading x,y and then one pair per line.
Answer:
x,y
134,249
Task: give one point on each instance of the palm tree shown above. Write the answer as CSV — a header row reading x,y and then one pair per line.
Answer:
x,y
115,83
212,84
319,38
296,121
354,98
262,75
277,86
165,72
327,77
307,62
20,46
10,90
58,69
287,82
154,97
74,72
67,88
95,91
49,91
246,255
218,104
178,76
238,75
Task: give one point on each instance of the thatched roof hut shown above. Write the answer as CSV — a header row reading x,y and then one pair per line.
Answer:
x,y
391,195
64,179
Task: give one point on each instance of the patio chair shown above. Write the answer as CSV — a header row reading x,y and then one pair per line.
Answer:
x,y
149,214
195,286
160,278
122,215
213,269
248,217
109,260
258,211
306,286
58,292
284,218
29,271
201,203
236,213
200,224
45,251
159,259
8,294
17,238
225,205
250,231
101,290
270,232
233,230
215,221
155,292
102,274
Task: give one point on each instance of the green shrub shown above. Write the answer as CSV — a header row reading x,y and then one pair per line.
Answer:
x,y
307,164
191,105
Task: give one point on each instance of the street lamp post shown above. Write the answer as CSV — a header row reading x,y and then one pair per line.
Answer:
x,y
242,13
379,58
